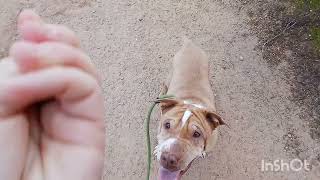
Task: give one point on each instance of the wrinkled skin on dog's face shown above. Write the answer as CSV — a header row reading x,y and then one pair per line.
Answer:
x,y
182,137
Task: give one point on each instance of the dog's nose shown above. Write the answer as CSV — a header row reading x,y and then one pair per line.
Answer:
x,y
169,161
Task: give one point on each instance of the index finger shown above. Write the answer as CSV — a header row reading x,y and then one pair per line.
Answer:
x,y
32,57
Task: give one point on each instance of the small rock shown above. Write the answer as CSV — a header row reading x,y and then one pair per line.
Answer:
x,y
241,58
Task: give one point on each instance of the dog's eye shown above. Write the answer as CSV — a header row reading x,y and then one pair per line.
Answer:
x,y
167,125
196,134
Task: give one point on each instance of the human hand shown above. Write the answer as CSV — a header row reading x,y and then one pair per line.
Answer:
x,y
51,107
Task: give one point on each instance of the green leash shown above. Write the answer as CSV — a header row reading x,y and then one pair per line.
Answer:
x,y
148,130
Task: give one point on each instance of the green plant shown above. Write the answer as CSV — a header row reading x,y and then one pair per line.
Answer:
x,y
315,35
309,4
314,4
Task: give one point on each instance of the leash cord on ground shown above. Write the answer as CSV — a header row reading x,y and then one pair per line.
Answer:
x,y
148,131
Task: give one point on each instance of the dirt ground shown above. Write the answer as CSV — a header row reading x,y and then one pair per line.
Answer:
x,y
132,44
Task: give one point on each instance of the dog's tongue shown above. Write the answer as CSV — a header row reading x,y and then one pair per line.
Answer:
x,y
165,174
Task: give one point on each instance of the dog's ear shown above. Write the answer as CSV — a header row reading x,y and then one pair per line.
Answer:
x,y
164,89
214,119
167,104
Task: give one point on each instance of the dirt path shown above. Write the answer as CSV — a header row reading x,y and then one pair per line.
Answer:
x,y
132,44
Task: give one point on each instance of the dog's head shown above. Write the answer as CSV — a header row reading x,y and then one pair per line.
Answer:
x,y
185,132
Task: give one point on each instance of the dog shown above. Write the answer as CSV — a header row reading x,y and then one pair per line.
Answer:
x,y
188,122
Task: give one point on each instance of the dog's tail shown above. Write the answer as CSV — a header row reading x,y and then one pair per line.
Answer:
x,y
189,47
186,41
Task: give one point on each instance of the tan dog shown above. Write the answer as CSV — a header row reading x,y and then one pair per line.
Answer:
x,y
188,123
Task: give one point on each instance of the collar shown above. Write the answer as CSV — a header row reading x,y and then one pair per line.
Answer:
x,y
189,102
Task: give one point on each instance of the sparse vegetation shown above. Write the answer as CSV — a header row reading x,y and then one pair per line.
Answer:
x,y
315,36
310,4
311,9
308,14
289,31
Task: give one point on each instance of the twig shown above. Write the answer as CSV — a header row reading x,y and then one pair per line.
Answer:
x,y
288,26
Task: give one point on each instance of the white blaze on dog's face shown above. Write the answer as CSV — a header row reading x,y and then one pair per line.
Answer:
x,y
183,134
